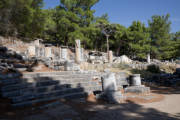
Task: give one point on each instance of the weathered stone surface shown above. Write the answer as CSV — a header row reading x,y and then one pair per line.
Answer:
x,y
109,82
32,51
135,80
37,42
38,117
48,52
38,87
122,79
69,66
78,51
110,56
64,53
123,59
137,89
148,58
115,97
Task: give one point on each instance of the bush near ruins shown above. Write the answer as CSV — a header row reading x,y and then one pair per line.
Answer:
x,y
153,68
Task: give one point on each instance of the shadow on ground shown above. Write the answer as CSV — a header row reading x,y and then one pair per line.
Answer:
x,y
124,111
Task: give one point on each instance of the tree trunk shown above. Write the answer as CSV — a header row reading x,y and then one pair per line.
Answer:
x,y
107,40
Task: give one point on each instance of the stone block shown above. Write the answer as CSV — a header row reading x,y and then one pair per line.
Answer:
x,y
137,89
32,51
48,52
115,97
64,53
109,82
135,80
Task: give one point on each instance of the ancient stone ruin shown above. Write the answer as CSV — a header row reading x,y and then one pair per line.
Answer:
x,y
24,85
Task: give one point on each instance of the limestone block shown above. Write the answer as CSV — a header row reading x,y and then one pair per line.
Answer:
x,y
109,82
110,56
36,42
64,53
32,51
137,89
48,52
82,54
135,80
115,97
68,66
42,52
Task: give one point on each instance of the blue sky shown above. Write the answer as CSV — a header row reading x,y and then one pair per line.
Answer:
x,y
126,11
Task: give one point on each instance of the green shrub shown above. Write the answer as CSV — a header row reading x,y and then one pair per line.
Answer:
x,y
153,68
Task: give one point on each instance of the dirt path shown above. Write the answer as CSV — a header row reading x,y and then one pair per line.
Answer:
x,y
167,108
170,104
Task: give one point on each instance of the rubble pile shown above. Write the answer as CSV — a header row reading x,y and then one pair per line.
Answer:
x,y
122,59
11,61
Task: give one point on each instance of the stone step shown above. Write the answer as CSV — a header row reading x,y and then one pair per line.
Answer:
x,y
41,79
20,92
122,83
38,74
91,86
67,96
26,85
31,96
60,76
10,75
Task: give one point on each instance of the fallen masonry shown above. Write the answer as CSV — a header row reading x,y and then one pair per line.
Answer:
x,y
23,86
31,88
136,87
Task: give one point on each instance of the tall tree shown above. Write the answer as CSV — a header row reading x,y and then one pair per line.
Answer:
x,y
140,40
176,41
71,16
120,40
22,18
159,33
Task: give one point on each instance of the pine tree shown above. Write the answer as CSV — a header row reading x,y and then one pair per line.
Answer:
x,y
159,32
140,41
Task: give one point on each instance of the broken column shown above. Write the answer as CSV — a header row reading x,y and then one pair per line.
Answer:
x,y
48,52
148,58
59,52
110,56
82,54
135,85
78,51
135,80
110,88
109,83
